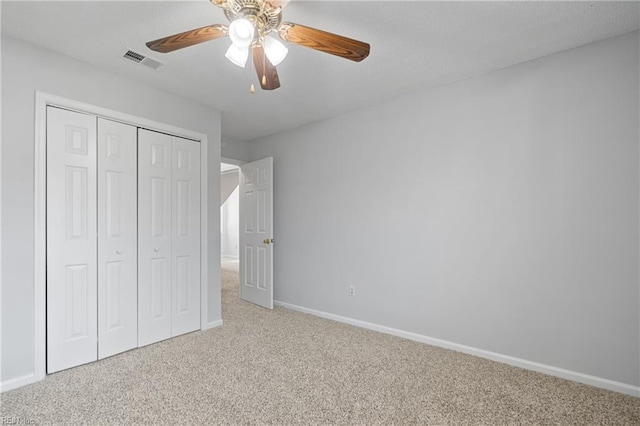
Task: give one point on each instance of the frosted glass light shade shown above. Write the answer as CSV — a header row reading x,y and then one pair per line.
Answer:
x,y
238,55
241,32
275,50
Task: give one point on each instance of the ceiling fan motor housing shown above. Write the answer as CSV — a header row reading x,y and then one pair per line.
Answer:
x,y
262,14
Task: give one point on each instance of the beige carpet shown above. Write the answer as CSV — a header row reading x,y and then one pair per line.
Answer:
x,y
283,367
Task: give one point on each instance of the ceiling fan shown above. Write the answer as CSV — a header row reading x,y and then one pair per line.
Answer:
x,y
251,23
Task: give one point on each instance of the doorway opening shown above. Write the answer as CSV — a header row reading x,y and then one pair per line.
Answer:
x,y
229,230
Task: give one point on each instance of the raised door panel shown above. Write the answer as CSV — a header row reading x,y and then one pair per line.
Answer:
x,y
117,238
154,237
256,232
71,239
186,236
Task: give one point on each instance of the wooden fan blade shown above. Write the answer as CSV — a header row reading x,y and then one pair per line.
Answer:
x,y
188,38
326,42
264,68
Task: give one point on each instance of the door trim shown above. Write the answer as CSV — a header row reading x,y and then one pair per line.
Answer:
x,y
42,101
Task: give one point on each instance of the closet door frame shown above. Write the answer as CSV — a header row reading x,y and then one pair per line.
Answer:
x,y
42,101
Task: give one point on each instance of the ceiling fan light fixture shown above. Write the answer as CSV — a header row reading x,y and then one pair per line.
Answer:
x,y
250,24
275,50
241,32
237,55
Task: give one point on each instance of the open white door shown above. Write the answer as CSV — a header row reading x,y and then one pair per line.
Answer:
x,y
256,232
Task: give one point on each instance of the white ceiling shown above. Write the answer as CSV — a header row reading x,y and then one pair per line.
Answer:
x,y
414,45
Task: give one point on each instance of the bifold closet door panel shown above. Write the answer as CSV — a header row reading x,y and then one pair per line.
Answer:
x,y
117,238
186,236
154,237
71,239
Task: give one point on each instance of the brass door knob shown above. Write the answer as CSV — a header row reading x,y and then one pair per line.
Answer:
x,y
268,241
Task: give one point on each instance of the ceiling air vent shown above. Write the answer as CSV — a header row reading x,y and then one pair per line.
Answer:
x,y
142,60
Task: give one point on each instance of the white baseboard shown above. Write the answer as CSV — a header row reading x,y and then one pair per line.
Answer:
x,y
506,359
229,258
10,384
212,324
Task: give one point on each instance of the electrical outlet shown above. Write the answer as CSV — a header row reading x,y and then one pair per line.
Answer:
x,y
352,290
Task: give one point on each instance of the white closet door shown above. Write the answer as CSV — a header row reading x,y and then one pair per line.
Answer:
x,y
117,238
71,239
186,236
154,237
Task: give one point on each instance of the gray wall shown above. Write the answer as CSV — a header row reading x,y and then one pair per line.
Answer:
x,y
228,182
235,148
25,69
229,214
230,227
500,212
